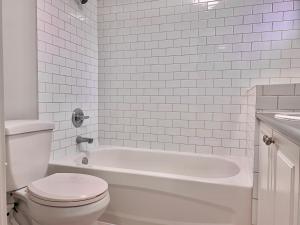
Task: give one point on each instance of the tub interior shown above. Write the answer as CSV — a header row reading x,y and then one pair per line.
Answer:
x,y
179,164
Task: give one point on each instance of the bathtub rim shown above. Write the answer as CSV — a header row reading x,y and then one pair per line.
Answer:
x,y
243,179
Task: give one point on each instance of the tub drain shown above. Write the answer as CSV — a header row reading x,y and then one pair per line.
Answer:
x,y
85,160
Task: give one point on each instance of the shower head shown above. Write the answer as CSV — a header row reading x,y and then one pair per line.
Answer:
x,y
84,1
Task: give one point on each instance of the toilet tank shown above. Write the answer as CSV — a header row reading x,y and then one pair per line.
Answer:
x,y
28,147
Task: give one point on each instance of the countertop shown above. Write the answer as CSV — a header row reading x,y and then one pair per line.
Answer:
x,y
288,127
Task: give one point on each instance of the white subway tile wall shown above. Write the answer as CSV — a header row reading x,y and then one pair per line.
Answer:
x,y
174,74
68,69
278,98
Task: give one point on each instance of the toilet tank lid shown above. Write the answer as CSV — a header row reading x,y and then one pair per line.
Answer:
x,y
13,127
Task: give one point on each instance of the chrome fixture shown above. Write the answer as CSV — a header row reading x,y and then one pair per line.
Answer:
x,y
85,161
268,140
78,117
80,139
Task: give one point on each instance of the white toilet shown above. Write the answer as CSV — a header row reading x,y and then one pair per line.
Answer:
x,y
58,199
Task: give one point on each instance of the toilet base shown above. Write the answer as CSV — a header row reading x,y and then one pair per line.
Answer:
x,y
31,213
12,221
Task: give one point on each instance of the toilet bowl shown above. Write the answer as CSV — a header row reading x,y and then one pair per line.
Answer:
x,y
38,199
62,199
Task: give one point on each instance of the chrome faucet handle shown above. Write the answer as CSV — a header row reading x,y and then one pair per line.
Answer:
x,y
81,117
78,117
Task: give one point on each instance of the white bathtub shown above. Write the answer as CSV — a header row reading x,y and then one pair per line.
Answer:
x,y
162,188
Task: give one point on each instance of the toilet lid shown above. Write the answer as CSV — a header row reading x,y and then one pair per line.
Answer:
x,y
68,187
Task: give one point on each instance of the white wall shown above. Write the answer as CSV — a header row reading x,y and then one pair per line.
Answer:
x,y
174,73
20,59
3,217
68,69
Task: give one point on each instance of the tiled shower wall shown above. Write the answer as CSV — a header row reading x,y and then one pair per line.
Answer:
x,y
68,69
173,74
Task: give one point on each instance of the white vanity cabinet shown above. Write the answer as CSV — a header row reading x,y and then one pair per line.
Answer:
x,y
278,185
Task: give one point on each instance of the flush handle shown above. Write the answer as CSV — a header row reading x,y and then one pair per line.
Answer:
x,y
268,140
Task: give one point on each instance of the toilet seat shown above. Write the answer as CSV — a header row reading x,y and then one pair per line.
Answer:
x,y
61,204
67,190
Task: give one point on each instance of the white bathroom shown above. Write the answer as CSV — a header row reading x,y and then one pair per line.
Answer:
x,y
150,112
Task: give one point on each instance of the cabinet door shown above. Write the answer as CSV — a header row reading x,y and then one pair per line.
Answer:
x,y
286,181
266,179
